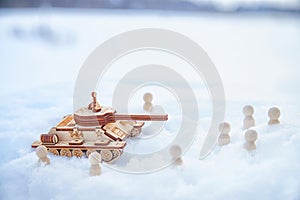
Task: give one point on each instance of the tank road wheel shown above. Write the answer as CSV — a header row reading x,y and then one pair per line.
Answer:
x,y
77,152
65,152
88,152
106,155
54,152
117,154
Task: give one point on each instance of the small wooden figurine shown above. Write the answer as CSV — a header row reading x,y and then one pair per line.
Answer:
x,y
94,105
41,151
251,137
95,159
175,152
274,114
248,120
224,137
148,102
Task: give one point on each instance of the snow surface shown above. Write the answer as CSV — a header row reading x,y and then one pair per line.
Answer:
x,y
256,56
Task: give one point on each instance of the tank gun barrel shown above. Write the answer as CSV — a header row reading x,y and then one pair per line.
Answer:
x,y
141,117
95,120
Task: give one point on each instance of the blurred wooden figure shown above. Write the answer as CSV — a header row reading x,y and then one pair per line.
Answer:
x,y
95,168
148,102
251,137
274,114
248,120
42,152
224,137
175,152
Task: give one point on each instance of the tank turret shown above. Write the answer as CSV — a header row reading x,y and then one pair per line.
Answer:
x,y
94,128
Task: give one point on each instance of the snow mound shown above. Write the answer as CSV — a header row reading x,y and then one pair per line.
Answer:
x,y
230,172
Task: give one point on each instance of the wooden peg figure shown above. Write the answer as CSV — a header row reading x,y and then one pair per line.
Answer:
x,y
248,120
175,152
41,151
251,137
148,102
94,105
224,137
95,168
274,114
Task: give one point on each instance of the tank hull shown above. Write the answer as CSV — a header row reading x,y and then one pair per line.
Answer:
x,y
69,139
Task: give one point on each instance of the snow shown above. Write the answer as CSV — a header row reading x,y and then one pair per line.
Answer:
x,y
258,61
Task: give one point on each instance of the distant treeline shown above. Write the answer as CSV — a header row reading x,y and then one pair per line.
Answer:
x,y
178,5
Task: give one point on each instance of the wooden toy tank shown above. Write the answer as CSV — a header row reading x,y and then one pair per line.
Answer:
x,y
94,128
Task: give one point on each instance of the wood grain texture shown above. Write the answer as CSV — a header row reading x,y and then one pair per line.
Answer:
x,y
102,119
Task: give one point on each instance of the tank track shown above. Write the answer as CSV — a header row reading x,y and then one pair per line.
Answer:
x,y
109,153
